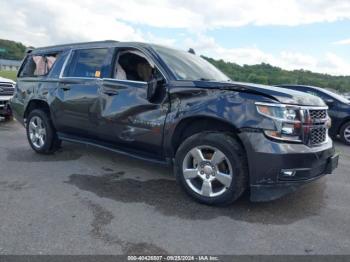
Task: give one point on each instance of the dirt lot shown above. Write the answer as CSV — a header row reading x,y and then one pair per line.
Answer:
x,y
84,200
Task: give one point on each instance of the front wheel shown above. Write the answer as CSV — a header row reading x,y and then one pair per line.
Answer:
x,y
212,168
345,133
41,134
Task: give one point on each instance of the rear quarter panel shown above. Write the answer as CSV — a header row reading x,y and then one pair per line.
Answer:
x,y
28,89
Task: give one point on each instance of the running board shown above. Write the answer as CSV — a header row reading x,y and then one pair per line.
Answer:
x,y
109,147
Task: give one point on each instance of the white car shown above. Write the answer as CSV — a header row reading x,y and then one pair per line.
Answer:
x,y
7,88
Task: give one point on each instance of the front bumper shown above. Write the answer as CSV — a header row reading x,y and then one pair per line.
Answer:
x,y
276,169
5,109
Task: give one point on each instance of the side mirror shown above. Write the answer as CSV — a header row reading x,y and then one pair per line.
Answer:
x,y
151,88
154,88
329,101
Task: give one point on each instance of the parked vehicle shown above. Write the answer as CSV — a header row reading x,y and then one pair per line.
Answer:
x,y
173,107
347,96
339,109
6,92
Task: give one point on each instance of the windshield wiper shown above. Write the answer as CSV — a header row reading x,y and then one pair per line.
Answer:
x,y
204,79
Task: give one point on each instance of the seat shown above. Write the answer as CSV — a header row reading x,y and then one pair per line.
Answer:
x,y
144,70
120,74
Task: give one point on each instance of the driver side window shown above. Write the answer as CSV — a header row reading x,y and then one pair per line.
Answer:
x,y
133,65
318,94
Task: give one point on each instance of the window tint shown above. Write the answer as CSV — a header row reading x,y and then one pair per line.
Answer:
x,y
322,93
334,95
316,93
38,65
188,66
57,67
87,63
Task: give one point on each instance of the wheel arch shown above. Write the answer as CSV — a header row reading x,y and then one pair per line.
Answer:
x,y
196,124
36,104
345,120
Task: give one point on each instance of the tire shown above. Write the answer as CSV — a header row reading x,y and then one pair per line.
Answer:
x,y
345,133
41,133
8,117
194,171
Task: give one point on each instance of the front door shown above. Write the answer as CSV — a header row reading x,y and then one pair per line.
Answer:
x,y
128,118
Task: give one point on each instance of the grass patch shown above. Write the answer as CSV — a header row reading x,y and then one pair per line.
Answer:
x,y
9,74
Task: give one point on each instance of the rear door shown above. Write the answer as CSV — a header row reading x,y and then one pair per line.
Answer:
x,y
77,95
128,118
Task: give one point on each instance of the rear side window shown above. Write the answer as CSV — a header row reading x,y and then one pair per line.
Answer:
x,y
38,65
88,63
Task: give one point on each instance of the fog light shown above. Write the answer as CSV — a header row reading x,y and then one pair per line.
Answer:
x,y
288,173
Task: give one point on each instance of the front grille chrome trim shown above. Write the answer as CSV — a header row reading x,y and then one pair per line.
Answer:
x,y
314,127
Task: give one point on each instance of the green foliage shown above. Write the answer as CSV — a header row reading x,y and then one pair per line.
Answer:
x,y
270,75
9,74
11,50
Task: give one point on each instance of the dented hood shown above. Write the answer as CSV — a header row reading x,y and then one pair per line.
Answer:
x,y
282,95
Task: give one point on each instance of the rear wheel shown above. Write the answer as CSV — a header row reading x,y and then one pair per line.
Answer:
x,y
212,168
41,134
345,133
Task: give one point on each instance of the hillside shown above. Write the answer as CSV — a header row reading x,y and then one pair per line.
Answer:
x,y
261,74
270,75
11,50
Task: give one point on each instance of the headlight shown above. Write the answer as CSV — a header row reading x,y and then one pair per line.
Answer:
x,y
287,121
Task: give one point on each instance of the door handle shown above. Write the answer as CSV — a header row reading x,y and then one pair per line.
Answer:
x,y
111,92
65,88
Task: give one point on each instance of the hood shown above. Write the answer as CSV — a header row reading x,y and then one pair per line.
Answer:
x,y
6,80
282,95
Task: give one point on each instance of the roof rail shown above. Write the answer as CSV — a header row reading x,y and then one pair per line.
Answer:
x,y
76,44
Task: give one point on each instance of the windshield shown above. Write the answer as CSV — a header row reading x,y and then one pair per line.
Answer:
x,y
187,66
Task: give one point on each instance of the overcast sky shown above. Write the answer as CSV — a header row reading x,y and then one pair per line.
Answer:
x,y
292,34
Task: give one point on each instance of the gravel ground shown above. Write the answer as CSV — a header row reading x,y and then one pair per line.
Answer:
x,y
84,200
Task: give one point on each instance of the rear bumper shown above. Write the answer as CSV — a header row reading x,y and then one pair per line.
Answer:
x,y
276,169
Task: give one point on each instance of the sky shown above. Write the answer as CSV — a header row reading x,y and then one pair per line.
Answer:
x,y
292,34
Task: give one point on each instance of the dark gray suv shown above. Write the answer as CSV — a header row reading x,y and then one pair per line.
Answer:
x,y
172,107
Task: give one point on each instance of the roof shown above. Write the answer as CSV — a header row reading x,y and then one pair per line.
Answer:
x,y
8,62
95,44
106,43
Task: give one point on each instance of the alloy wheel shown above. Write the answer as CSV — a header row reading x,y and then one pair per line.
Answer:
x,y
37,132
207,171
347,134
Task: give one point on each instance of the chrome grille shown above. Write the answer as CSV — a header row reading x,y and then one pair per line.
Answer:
x,y
317,126
6,89
318,135
317,115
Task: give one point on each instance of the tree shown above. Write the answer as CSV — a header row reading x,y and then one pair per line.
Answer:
x,y
11,50
271,75
191,50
